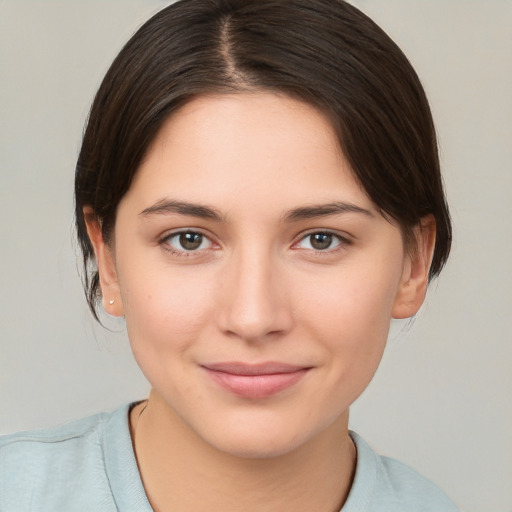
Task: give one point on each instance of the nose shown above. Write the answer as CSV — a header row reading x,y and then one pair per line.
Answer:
x,y
254,304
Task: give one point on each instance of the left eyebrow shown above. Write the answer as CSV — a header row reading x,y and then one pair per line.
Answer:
x,y
324,210
166,206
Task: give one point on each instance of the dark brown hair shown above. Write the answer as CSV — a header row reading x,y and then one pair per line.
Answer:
x,y
324,52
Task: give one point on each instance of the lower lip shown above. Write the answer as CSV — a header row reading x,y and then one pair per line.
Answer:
x,y
256,386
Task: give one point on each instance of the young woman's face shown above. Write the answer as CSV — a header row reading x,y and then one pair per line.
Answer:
x,y
257,278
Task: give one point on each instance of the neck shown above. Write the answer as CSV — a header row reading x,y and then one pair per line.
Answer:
x,y
182,473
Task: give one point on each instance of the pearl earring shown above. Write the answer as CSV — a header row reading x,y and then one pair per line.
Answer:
x,y
111,301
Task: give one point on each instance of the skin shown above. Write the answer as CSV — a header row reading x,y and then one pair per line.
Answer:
x,y
257,289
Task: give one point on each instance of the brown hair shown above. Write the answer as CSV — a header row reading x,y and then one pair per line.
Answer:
x,y
324,52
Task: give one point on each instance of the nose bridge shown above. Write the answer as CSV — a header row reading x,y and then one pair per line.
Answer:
x,y
253,305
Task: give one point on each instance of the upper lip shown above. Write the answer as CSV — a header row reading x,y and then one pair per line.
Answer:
x,y
268,368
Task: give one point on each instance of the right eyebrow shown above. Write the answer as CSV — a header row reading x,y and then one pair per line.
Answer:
x,y
166,206
324,210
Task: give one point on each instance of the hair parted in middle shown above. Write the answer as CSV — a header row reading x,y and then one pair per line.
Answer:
x,y
326,53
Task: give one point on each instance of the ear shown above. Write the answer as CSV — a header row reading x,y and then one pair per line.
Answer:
x,y
105,262
414,282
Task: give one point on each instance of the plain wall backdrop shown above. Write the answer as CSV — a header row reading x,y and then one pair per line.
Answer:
x,y
441,400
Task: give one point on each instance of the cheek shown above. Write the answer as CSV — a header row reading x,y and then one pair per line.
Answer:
x,y
165,309
349,315
353,299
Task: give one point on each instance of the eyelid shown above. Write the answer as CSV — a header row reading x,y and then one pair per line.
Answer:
x,y
344,239
163,241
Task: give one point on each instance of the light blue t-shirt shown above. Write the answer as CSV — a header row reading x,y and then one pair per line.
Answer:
x,y
89,465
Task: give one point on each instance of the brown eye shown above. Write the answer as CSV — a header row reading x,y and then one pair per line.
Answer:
x,y
188,241
320,241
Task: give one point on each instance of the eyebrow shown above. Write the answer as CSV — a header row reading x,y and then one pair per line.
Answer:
x,y
166,206
324,210
183,208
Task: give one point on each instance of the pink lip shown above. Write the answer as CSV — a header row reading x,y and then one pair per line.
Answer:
x,y
255,380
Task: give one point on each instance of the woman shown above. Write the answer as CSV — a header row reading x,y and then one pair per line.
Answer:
x,y
258,193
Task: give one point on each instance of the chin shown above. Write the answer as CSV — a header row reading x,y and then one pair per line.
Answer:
x,y
261,440
262,446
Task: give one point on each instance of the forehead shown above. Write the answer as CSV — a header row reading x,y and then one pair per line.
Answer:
x,y
250,148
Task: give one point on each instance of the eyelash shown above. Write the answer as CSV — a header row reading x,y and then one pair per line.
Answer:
x,y
342,242
184,253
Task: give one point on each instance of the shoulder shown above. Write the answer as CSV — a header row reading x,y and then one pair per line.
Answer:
x,y
53,434
39,446
40,467
385,484
43,444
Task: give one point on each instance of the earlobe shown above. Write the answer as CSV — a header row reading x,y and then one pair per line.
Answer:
x,y
105,262
414,283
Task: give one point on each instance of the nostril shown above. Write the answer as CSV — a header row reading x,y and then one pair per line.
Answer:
x,y
252,304
255,321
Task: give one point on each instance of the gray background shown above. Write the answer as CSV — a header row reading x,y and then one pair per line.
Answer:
x,y
441,400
